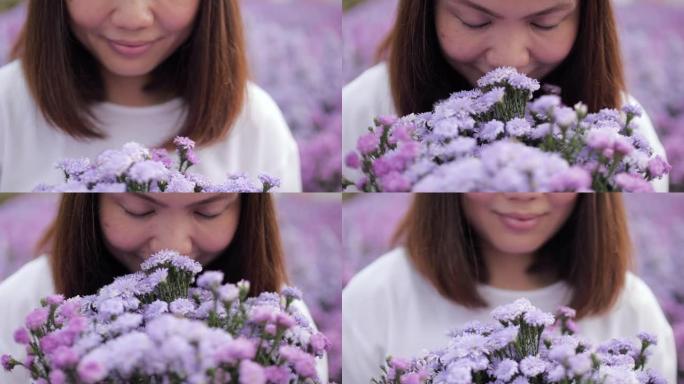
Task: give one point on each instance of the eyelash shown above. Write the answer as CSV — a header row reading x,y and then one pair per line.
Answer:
x,y
481,26
149,213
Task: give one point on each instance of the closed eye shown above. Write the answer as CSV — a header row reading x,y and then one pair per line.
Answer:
x,y
207,216
139,215
476,26
544,27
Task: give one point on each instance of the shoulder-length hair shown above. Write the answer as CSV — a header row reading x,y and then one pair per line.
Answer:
x,y
420,74
81,263
208,72
591,252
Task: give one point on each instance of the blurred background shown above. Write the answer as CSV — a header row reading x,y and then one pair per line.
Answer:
x,y
310,227
652,40
295,49
656,223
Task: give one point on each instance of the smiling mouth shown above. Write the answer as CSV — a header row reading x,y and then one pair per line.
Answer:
x,y
520,221
130,49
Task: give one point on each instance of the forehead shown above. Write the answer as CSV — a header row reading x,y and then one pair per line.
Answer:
x,y
516,8
177,200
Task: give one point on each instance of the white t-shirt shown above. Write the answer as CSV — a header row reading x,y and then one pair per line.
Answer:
x,y
389,308
370,95
259,141
21,293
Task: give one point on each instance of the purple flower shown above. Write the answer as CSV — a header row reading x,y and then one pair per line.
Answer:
x,y
111,163
210,279
147,171
633,110
518,127
161,155
251,373
352,160
64,357
22,336
173,259
368,143
538,318
269,182
7,362
647,338
292,293
303,363
236,350
57,377
37,319
628,182
506,369
91,371
73,167
228,293
183,143
181,306
657,167
532,366
491,130
394,182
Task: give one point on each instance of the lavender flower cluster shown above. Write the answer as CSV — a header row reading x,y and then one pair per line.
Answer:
x,y
136,168
520,348
492,139
152,326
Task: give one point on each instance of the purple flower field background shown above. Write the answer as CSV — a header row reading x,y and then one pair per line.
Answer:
x,y
656,223
295,56
310,227
652,38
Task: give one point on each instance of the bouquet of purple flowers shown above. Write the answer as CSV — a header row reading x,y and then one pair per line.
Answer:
x,y
152,326
494,138
135,168
519,348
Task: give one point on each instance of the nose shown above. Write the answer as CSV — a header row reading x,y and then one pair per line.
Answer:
x,y
512,51
173,234
132,14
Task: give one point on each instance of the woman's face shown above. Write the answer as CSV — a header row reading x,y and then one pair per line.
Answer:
x,y
533,36
200,226
132,37
517,223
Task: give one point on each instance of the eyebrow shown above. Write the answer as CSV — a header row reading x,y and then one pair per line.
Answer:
x,y
222,196
558,7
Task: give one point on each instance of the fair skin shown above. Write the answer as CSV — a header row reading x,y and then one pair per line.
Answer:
x,y
135,226
130,38
512,227
533,36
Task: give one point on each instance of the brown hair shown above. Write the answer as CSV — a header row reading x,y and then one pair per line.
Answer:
x,y
591,251
81,263
420,74
209,71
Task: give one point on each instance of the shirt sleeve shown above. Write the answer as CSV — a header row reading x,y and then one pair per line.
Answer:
x,y
650,318
321,363
647,129
278,145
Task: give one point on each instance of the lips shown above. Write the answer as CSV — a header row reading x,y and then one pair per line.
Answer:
x,y
518,221
130,49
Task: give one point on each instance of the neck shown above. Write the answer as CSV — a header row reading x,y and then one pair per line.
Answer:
x,y
129,90
509,271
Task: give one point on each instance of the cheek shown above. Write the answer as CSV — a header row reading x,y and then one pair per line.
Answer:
x,y
457,45
120,234
178,17
85,14
554,48
217,236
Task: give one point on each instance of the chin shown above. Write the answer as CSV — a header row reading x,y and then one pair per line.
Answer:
x,y
131,69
